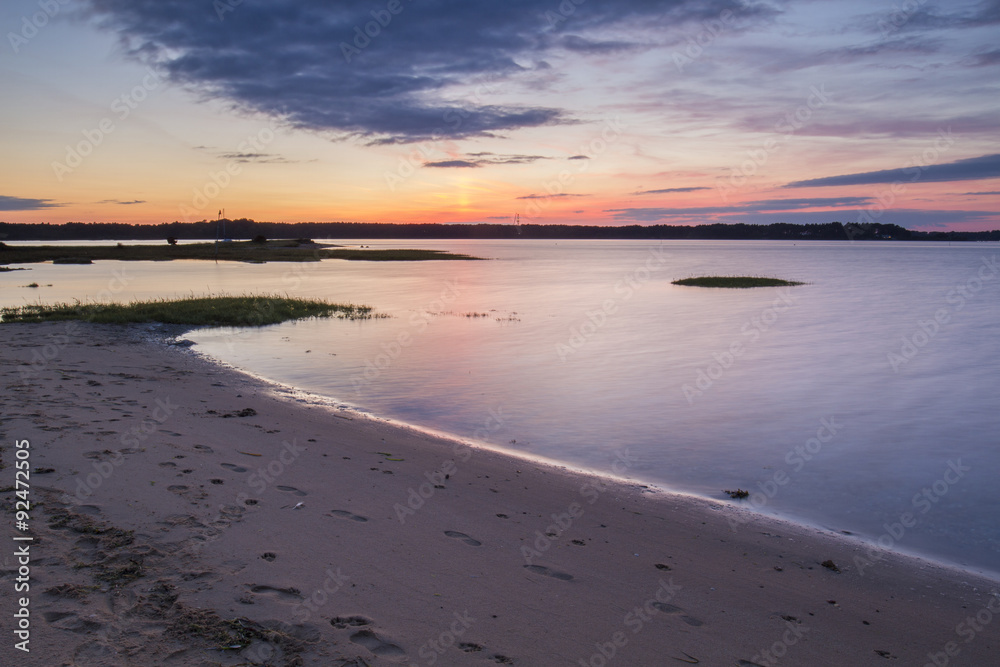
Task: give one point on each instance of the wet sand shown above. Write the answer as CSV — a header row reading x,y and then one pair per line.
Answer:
x,y
193,515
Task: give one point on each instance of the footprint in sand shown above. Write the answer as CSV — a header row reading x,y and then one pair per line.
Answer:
x,y
217,481
88,509
177,488
204,449
284,593
292,490
674,610
376,644
469,647
502,659
541,569
344,514
69,621
465,538
168,464
233,467
269,557
341,622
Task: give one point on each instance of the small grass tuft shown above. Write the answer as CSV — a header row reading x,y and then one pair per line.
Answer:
x,y
738,493
735,282
235,311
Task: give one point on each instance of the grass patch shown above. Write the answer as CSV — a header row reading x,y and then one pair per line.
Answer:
x,y
235,311
301,250
735,281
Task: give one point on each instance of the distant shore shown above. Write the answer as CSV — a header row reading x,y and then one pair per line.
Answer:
x,y
246,228
190,513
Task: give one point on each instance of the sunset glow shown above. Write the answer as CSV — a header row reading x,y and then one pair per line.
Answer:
x,y
580,112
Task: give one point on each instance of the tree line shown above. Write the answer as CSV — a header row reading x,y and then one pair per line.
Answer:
x,y
245,229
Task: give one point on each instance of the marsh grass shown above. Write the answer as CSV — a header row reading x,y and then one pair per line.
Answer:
x,y
301,250
235,311
735,281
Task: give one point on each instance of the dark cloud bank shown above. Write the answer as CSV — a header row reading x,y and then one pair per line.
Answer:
x,y
387,71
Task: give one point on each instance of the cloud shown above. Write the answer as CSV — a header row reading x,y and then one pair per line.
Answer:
x,y
668,190
809,202
909,19
24,204
447,164
970,169
909,218
480,159
352,69
987,58
122,203
589,46
989,192
878,49
561,194
649,214
262,158
578,157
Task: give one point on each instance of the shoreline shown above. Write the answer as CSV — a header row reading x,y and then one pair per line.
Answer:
x,y
407,548
295,394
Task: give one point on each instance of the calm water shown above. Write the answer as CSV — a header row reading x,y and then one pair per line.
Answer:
x,y
588,351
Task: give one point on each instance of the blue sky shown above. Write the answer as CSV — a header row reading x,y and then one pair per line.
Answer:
x,y
577,111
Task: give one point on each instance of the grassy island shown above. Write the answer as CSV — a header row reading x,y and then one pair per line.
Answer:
x,y
301,250
235,311
735,281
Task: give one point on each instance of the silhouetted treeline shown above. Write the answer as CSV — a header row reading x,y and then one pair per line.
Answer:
x,y
245,228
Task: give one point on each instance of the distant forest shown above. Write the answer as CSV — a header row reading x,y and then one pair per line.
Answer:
x,y
244,229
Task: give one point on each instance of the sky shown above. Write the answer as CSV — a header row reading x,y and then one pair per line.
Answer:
x,y
459,111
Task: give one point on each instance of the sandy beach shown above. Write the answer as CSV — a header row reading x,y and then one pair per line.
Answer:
x,y
183,513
